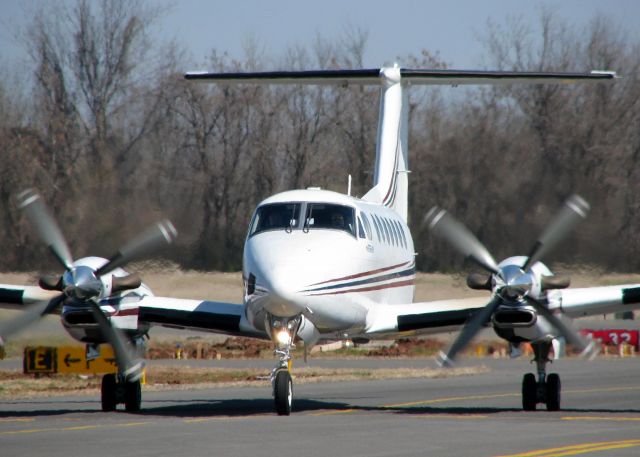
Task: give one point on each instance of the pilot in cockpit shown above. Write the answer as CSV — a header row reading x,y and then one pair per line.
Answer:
x,y
337,220
274,220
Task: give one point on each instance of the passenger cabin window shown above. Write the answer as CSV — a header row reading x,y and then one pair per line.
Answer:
x,y
276,216
402,236
387,235
330,216
392,236
394,229
376,219
375,224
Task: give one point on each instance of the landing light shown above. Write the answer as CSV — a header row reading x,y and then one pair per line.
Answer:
x,y
283,337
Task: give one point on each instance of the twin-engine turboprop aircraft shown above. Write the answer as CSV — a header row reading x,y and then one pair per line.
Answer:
x,y
319,265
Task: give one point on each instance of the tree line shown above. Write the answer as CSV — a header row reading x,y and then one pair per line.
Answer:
x,y
114,138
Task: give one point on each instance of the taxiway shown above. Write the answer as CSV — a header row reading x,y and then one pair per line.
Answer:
x,y
476,415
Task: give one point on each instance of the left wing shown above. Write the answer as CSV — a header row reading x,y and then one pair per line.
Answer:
x,y
218,317
589,301
450,315
441,316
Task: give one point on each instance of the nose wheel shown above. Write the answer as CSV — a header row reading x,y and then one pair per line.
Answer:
x,y
283,392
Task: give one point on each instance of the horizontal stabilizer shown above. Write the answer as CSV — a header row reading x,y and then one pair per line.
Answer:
x,y
420,76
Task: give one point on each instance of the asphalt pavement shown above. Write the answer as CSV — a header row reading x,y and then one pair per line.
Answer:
x,y
477,415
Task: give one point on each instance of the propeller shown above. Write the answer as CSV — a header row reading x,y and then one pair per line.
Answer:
x,y
39,217
445,226
510,282
82,284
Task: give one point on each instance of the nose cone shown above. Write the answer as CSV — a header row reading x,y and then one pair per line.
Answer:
x,y
515,281
279,262
83,282
282,297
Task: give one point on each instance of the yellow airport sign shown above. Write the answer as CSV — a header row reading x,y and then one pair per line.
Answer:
x,y
68,359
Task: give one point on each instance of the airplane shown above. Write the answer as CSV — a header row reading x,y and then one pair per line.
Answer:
x,y
317,265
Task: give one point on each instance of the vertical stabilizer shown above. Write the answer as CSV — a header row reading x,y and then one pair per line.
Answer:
x,y
390,182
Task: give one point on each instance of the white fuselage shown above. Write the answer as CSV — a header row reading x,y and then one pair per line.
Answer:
x,y
333,277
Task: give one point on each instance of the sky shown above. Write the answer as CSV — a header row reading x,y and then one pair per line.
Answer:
x,y
399,28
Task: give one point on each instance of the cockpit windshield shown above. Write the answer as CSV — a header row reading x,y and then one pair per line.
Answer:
x,y
330,216
277,216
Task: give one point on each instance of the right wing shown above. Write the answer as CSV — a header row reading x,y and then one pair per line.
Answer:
x,y
17,297
213,316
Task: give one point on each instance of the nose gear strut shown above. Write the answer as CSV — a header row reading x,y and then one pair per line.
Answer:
x,y
283,332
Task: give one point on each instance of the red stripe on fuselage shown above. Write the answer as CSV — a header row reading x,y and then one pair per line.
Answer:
x,y
359,275
408,282
126,312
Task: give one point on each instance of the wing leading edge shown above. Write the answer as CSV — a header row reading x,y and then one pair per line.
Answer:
x,y
17,297
423,317
217,317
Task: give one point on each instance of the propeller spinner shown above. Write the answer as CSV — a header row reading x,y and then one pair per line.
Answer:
x,y
83,284
510,283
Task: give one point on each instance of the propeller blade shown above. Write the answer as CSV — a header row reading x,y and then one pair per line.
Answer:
x,y
446,226
120,283
160,234
128,363
554,282
565,328
574,210
30,315
31,203
470,330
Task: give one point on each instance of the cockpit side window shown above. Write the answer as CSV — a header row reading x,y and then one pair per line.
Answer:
x,y
361,233
330,216
276,216
367,226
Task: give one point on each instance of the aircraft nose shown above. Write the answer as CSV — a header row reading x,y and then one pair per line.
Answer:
x,y
283,298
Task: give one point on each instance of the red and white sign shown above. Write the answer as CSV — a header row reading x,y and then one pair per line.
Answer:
x,y
614,336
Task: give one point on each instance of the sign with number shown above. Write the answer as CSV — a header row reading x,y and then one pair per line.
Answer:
x,y
614,336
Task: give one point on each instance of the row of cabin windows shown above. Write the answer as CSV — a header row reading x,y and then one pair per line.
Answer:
x,y
388,231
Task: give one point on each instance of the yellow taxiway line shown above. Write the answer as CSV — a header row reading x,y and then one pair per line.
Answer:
x,y
71,429
577,449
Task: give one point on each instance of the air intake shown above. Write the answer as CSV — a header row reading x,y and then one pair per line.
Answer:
x,y
514,317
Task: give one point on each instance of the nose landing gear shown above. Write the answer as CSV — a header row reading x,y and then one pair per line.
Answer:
x,y
283,331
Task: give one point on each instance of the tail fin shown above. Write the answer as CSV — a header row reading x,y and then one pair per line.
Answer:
x,y
390,185
390,182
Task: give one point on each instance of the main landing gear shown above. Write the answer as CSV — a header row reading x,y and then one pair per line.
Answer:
x,y
283,332
116,389
544,389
